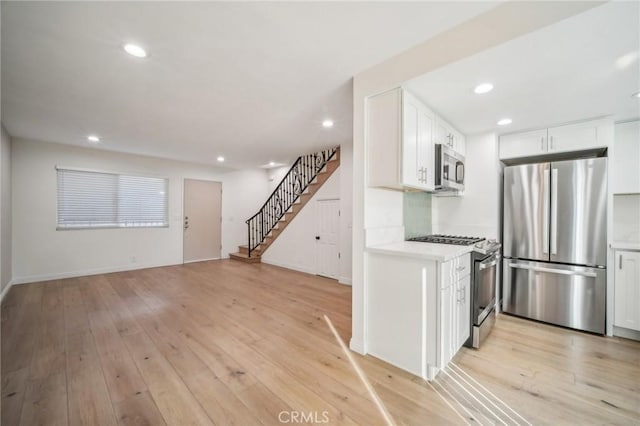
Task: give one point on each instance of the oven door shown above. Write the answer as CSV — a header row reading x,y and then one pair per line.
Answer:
x,y
485,279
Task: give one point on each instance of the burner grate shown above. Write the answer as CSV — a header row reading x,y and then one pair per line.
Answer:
x,y
447,239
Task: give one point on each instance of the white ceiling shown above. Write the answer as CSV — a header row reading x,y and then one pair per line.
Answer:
x,y
250,81
572,70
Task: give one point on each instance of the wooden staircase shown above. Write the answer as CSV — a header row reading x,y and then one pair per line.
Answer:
x,y
311,189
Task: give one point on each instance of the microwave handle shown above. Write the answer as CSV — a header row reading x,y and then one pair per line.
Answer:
x,y
461,166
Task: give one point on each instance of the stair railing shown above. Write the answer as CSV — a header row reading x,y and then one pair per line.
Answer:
x,y
295,182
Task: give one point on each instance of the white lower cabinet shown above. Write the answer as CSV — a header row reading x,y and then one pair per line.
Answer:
x,y
463,302
627,290
417,311
455,306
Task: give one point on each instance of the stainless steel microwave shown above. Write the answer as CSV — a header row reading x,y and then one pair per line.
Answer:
x,y
449,169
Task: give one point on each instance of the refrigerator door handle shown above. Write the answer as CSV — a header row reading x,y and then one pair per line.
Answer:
x,y
554,211
553,271
545,219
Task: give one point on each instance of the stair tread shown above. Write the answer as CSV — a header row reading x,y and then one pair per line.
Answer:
x,y
244,246
296,206
246,256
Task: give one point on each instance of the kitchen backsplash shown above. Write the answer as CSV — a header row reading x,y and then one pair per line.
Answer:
x,y
416,211
626,217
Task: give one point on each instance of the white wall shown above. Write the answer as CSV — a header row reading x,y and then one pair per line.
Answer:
x,y
477,213
40,252
626,182
626,158
276,175
487,30
5,212
243,193
346,209
626,218
295,247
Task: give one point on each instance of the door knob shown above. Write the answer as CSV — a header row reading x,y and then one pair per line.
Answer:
x,y
317,237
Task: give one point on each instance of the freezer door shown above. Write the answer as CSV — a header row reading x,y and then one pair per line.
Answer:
x,y
526,211
579,212
571,296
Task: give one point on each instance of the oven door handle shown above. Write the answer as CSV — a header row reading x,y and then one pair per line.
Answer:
x,y
494,261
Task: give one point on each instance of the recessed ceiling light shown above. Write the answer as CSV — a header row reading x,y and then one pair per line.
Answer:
x,y
504,122
483,88
135,50
272,163
327,123
636,95
93,138
220,159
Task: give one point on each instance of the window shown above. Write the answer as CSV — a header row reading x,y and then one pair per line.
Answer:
x,y
109,200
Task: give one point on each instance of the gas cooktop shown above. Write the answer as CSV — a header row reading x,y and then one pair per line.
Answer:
x,y
447,239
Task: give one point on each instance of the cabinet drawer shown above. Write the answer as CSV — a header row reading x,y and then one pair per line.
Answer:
x,y
463,267
455,269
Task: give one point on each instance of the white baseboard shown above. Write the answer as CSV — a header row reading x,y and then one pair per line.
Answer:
x,y
84,273
357,346
345,280
626,333
288,266
6,290
203,260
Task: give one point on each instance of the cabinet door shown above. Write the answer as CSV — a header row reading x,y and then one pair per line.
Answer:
x,y
426,150
464,311
460,143
626,157
576,137
526,144
440,132
627,290
411,116
447,324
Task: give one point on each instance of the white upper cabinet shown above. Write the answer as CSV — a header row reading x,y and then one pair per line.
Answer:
x,y
576,137
527,144
417,145
400,151
626,158
446,135
568,138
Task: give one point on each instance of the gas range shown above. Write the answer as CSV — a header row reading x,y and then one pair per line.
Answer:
x,y
447,239
481,245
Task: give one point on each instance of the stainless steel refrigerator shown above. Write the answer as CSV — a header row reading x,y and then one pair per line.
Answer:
x,y
555,242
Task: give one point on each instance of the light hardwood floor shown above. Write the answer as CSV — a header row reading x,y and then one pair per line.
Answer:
x,y
225,342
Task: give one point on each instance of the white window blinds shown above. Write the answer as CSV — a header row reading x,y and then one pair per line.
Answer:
x,y
105,200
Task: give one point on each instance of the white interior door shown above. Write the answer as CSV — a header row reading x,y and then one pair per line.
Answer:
x,y
327,238
202,216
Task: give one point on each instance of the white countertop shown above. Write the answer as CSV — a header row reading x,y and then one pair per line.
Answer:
x,y
625,245
427,251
